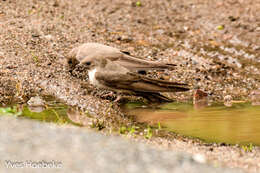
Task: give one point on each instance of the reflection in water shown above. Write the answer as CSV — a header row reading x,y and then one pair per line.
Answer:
x,y
255,97
49,113
153,117
200,99
217,123
36,108
57,113
78,117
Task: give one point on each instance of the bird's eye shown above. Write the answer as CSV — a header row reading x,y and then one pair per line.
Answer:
x,y
70,61
88,63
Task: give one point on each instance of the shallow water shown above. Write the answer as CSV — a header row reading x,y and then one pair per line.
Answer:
x,y
239,124
52,112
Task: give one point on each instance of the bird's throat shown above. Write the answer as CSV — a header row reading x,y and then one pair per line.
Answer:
x,y
92,78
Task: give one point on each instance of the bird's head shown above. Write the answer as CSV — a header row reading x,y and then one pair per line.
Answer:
x,y
75,56
93,62
87,63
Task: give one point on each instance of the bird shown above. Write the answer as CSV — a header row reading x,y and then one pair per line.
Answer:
x,y
106,74
80,54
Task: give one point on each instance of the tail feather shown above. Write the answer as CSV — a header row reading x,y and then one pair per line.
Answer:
x,y
157,85
155,97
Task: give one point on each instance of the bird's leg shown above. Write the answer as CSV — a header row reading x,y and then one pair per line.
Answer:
x,y
104,94
118,98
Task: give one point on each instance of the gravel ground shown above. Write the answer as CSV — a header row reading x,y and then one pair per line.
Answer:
x,y
81,150
215,44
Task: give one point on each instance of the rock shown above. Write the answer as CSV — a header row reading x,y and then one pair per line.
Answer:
x,y
36,108
73,149
36,104
36,101
48,37
228,100
78,117
255,97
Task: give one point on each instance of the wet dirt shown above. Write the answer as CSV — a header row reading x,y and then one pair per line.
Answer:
x,y
214,43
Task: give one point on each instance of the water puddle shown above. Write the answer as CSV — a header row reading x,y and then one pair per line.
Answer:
x,y
239,124
51,112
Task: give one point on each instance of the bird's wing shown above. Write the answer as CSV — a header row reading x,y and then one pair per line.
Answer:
x,y
133,63
122,58
89,51
138,83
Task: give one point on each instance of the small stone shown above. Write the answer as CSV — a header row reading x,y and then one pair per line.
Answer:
x,y
232,18
126,39
36,101
228,100
56,4
48,37
186,28
138,4
35,35
220,27
79,117
160,31
255,97
36,108
36,104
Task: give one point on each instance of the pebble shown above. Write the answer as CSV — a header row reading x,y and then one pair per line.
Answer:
x,y
255,97
36,101
228,100
48,37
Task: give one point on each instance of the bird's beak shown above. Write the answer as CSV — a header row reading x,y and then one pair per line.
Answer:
x,y
78,67
81,67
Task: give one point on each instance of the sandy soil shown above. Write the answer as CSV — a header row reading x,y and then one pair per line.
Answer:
x,y
214,43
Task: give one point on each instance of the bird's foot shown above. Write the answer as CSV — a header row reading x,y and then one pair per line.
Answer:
x,y
107,94
104,94
118,98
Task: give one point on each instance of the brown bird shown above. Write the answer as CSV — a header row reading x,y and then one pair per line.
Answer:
x,y
106,74
81,54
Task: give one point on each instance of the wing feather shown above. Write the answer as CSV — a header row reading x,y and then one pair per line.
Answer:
x,y
138,83
134,63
